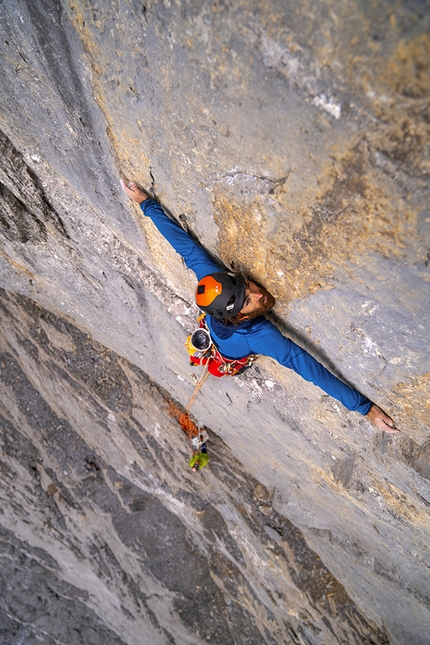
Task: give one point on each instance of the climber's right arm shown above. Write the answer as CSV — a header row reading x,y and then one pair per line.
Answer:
x,y
195,257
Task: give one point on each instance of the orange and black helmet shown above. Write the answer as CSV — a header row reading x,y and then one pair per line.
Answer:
x,y
221,294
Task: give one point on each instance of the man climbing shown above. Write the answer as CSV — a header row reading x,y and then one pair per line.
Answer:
x,y
235,308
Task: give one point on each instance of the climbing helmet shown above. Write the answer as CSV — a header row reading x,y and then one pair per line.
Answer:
x,y
221,294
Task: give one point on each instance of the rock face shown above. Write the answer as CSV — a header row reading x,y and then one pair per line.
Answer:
x,y
293,142
108,538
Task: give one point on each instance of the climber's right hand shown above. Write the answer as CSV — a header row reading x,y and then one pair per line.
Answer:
x,y
133,191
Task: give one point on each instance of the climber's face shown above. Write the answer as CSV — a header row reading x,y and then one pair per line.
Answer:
x,y
257,300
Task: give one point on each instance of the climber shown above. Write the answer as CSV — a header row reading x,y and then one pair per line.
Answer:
x,y
235,308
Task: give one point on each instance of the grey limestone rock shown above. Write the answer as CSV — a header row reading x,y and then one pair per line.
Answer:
x,y
292,140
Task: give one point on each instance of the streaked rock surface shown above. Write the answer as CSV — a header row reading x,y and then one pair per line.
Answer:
x,y
108,538
293,140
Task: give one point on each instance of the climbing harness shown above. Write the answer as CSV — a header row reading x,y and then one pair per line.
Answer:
x,y
202,351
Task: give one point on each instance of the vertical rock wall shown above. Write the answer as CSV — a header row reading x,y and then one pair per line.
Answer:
x,y
293,140
108,538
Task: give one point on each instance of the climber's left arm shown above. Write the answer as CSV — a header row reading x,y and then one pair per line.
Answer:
x,y
268,340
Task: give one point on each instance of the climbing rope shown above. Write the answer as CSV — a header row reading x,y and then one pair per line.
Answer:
x,y
200,382
193,433
197,436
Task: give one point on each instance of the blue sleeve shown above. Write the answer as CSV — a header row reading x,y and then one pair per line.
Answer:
x,y
194,255
269,341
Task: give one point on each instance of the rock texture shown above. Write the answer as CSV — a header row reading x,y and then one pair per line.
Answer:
x,y
293,141
108,538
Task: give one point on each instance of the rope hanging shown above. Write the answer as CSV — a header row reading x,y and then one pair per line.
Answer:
x,y
184,419
202,379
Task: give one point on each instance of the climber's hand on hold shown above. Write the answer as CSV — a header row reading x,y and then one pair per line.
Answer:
x,y
381,420
133,191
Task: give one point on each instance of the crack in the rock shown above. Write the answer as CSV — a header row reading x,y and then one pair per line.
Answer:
x,y
152,183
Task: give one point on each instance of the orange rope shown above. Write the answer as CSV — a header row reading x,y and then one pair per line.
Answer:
x,y
187,425
183,418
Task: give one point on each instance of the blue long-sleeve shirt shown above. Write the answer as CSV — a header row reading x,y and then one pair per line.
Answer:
x,y
257,336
